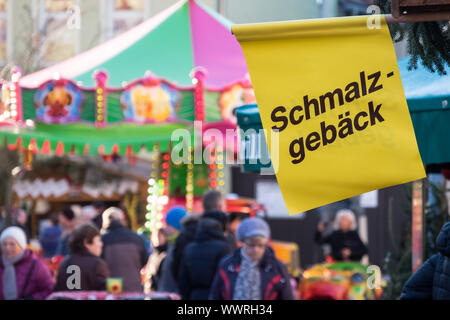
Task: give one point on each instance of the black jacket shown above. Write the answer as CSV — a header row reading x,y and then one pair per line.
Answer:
x,y
93,272
275,280
186,236
200,260
125,254
432,280
340,240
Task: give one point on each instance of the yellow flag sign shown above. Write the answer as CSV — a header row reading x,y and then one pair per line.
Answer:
x,y
332,90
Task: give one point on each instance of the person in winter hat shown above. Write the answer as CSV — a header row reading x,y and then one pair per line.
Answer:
x,y
252,227
432,280
252,272
167,282
174,216
22,274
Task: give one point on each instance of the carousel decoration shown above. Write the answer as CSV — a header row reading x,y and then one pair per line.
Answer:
x,y
11,98
190,182
58,101
235,96
91,105
150,101
100,98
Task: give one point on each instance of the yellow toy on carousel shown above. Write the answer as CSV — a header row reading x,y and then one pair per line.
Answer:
x,y
341,281
151,103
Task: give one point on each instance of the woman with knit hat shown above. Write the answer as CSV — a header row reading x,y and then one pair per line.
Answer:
x,y
22,274
252,272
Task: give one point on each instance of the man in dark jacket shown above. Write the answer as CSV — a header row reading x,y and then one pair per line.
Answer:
x,y
213,204
187,235
252,272
201,258
123,250
432,280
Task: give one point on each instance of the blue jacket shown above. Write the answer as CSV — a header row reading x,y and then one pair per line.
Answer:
x,y
432,280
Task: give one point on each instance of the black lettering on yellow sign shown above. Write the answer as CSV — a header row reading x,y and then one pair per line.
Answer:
x,y
328,132
313,107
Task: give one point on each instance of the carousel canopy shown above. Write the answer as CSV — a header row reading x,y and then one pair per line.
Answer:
x,y
170,45
134,90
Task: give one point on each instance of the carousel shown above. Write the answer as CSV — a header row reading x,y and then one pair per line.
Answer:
x,y
132,101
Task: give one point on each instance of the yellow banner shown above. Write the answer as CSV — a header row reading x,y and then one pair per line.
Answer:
x,y
332,90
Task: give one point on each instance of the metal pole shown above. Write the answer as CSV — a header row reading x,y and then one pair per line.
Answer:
x,y
417,224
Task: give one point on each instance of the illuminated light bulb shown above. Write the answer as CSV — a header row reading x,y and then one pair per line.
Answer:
x,y
221,174
194,81
99,91
7,114
100,98
165,199
159,225
148,207
151,181
13,100
13,113
148,225
13,94
147,216
220,166
160,216
221,183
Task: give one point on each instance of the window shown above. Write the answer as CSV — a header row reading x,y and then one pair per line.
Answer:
x,y
59,39
125,14
3,31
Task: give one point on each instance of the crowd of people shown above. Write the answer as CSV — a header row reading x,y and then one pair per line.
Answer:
x,y
194,255
198,256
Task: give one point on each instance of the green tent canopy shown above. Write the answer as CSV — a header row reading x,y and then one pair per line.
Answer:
x,y
428,96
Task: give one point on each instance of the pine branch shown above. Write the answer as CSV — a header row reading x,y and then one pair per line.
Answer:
x,y
427,41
